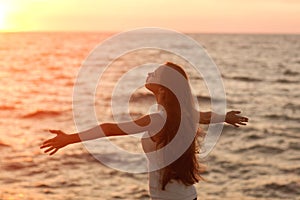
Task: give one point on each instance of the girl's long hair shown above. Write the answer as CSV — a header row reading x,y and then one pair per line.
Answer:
x,y
186,168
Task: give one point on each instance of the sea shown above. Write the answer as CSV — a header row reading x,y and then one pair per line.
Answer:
x,y
39,71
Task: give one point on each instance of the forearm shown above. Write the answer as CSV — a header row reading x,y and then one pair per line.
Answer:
x,y
211,117
90,134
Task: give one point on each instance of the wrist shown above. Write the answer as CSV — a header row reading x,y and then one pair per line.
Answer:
x,y
226,118
73,138
218,118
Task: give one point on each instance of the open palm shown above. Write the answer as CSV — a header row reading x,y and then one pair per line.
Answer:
x,y
54,144
234,119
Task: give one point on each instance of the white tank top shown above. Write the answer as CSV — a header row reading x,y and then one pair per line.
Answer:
x,y
174,190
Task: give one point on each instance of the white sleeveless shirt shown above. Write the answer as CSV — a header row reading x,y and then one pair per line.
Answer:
x,y
174,190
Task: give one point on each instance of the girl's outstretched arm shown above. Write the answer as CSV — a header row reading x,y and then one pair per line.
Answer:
x,y
231,117
148,122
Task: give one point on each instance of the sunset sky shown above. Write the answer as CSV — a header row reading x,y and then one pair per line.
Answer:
x,y
221,16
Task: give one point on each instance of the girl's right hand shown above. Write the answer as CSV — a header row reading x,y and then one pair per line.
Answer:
x,y
59,141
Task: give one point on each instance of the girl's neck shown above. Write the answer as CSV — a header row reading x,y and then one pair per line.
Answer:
x,y
159,99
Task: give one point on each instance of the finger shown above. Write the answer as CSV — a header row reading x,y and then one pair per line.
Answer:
x,y
45,145
236,125
51,148
53,152
242,119
242,123
56,131
236,112
52,131
48,141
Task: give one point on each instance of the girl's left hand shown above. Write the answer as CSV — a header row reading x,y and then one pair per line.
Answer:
x,y
234,119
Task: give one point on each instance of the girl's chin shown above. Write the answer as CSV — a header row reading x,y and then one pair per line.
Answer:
x,y
148,86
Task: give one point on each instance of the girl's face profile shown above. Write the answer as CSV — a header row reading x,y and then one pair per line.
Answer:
x,y
150,75
153,79
149,81
155,76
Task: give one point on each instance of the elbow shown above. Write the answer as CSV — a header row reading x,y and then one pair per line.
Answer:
x,y
106,129
111,129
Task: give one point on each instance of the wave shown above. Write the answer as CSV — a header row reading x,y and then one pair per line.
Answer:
x,y
294,145
281,117
262,149
238,102
246,79
35,172
2,144
43,185
6,107
291,106
13,166
10,180
290,73
254,137
42,114
59,184
244,46
71,158
252,79
293,170
229,165
275,190
285,81
288,188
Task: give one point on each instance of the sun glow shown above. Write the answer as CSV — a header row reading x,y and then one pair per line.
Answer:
x,y
3,13
272,16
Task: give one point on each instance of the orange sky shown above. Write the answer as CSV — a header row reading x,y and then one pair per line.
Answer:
x,y
241,16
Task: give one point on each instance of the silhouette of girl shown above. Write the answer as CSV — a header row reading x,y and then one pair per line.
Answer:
x,y
170,134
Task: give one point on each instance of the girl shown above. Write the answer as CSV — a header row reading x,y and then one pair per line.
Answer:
x,y
170,139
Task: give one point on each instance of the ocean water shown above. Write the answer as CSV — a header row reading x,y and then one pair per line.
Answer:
x,y
261,76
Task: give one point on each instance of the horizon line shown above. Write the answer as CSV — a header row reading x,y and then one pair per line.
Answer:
x,y
185,32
